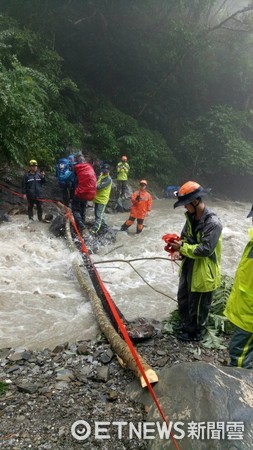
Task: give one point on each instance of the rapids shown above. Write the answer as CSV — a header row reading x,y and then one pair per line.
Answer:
x,y
41,304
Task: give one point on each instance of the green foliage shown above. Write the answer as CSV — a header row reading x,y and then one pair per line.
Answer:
x,y
114,133
217,323
2,388
212,339
182,80
34,118
219,141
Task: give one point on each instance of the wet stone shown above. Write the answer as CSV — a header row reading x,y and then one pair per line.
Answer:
x,y
27,388
102,374
106,357
112,396
58,349
13,369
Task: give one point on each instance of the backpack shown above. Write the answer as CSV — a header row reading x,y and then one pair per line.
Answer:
x,y
64,175
86,181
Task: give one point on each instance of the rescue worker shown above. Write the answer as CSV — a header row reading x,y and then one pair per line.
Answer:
x,y
239,308
122,176
104,186
84,191
141,205
32,188
199,248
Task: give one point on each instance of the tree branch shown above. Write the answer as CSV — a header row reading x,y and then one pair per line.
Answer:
x,y
220,25
140,259
154,92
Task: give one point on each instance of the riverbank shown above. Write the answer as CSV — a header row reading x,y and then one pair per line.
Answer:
x,y
47,391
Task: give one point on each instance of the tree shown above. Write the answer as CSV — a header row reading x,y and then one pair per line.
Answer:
x,y
34,121
219,142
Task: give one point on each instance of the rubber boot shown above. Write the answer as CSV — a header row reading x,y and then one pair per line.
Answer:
x,y
124,227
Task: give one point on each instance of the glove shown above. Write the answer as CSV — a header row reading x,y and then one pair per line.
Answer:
x,y
138,198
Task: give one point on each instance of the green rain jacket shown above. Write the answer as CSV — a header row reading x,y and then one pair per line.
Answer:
x,y
202,250
122,171
239,308
104,186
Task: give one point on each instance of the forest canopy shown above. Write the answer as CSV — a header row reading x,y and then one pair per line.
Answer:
x,y
168,82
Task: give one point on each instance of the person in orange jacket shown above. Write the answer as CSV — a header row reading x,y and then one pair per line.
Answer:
x,y
141,205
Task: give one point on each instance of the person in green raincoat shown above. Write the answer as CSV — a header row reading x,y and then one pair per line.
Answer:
x,y
239,308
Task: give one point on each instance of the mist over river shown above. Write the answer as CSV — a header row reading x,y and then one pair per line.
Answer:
x,y
41,304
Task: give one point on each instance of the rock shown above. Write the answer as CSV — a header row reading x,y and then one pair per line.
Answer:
x,y
16,356
26,387
161,352
4,352
103,373
202,393
26,355
123,205
13,368
112,396
49,217
82,349
106,357
161,362
61,385
4,217
102,393
58,349
65,375
58,226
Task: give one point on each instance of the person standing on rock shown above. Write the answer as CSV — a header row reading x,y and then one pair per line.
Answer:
x,y
239,308
104,186
122,176
141,205
85,190
199,248
32,188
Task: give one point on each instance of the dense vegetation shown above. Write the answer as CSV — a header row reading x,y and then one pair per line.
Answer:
x,y
167,82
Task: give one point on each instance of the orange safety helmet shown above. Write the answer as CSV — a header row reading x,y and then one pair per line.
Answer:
x,y
143,182
188,192
124,158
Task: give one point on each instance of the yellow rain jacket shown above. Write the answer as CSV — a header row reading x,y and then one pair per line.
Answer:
x,y
122,171
239,308
104,186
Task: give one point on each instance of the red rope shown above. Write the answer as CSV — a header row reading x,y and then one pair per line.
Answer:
x,y
121,326
126,337
17,194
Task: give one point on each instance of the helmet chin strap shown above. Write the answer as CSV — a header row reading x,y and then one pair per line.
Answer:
x,y
195,207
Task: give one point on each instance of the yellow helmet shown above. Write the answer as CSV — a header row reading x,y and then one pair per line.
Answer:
x,y
33,162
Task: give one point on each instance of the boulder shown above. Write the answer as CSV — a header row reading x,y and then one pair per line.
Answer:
x,y
58,226
215,401
123,204
4,217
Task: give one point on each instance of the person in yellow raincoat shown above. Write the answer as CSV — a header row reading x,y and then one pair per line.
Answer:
x,y
141,205
239,308
122,176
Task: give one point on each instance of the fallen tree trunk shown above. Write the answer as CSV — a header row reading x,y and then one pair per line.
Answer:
x,y
118,345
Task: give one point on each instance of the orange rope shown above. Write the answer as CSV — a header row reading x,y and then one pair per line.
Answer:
x,y
122,328
126,336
